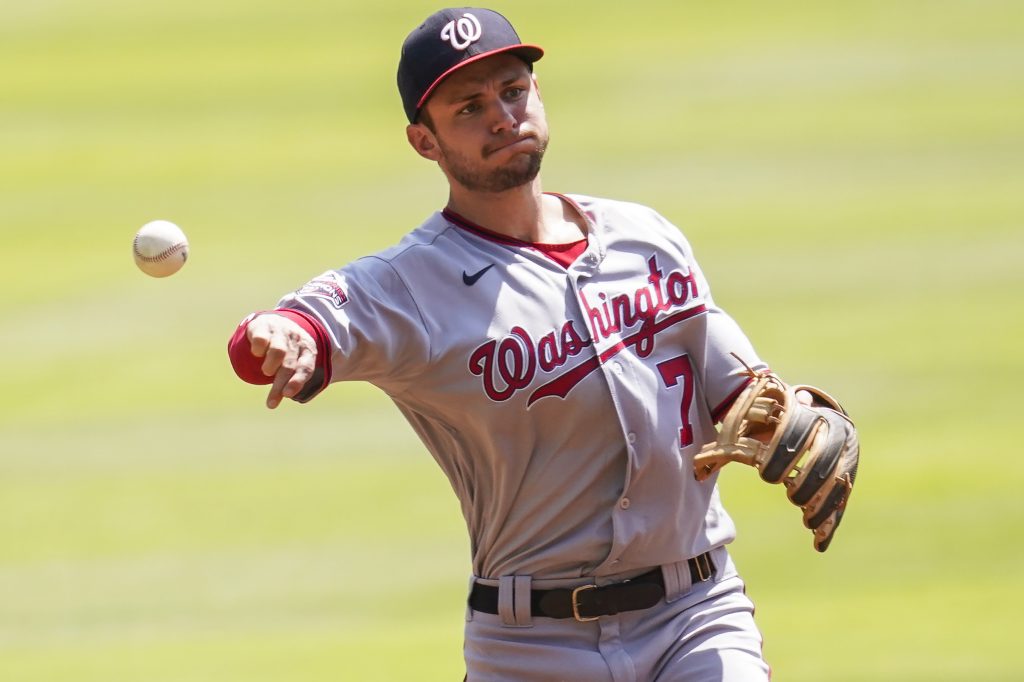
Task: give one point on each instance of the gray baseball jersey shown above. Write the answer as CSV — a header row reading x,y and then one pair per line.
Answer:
x,y
564,404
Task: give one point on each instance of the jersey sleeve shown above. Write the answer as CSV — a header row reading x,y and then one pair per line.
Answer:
x,y
372,327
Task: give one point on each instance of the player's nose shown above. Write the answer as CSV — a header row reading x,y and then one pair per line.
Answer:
x,y
503,117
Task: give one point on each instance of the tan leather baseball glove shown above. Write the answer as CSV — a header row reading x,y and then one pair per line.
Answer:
x,y
811,449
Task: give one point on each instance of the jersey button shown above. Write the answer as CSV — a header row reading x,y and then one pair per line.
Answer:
x,y
631,437
624,503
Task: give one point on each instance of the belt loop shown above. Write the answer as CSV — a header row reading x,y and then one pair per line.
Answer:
x,y
677,580
521,601
469,609
514,601
506,600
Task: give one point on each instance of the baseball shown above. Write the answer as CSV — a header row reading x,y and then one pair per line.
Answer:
x,y
160,248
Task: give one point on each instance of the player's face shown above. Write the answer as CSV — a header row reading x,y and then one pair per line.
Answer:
x,y
489,129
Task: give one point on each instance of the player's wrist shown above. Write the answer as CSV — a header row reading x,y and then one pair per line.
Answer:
x,y
247,366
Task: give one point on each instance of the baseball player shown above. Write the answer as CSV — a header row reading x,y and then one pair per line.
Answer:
x,y
562,359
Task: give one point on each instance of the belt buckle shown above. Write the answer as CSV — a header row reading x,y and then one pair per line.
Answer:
x,y
703,566
576,604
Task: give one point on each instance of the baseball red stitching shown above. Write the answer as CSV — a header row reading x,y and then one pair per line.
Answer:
x,y
163,255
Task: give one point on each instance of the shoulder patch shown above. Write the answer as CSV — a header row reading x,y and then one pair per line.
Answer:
x,y
325,287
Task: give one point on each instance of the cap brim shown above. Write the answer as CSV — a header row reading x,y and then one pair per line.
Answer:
x,y
530,53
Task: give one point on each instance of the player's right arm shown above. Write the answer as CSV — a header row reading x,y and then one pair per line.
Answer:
x,y
359,323
279,348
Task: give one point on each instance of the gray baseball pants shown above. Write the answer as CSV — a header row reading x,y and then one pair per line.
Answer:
x,y
698,633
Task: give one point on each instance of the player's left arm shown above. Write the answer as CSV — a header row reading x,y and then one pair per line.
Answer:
x,y
721,375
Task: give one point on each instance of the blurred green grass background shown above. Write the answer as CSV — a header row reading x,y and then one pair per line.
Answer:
x,y
851,175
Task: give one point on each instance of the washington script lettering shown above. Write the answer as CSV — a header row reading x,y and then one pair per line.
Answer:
x,y
509,365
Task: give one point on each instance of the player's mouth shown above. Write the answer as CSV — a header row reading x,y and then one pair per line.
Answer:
x,y
511,145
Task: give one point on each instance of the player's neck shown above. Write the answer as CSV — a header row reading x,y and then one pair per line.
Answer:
x,y
523,213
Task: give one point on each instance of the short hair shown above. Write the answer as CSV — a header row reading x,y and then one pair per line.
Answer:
x,y
423,116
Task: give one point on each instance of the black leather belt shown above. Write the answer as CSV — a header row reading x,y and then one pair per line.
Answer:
x,y
590,602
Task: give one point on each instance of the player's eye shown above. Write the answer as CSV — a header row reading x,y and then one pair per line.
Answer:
x,y
514,92
470,108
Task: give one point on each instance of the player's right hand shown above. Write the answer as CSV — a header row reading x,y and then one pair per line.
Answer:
x,y
288,352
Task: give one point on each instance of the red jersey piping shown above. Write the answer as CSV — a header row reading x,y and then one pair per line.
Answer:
x,y
564,254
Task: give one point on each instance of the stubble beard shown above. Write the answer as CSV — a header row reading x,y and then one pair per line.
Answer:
x,y
516,173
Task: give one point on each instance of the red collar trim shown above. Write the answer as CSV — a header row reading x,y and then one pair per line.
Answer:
x,y
460,222
457,220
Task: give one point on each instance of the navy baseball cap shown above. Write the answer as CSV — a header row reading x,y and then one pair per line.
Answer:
x,y
448,40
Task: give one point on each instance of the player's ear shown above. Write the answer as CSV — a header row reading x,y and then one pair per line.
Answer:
x,y
423,141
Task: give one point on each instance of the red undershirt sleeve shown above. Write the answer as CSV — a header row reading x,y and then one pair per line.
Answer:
x,y
248,367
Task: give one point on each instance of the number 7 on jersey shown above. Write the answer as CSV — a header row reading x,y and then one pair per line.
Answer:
x,y
672,372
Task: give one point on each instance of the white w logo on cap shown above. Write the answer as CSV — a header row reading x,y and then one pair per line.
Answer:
x,y
463,32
